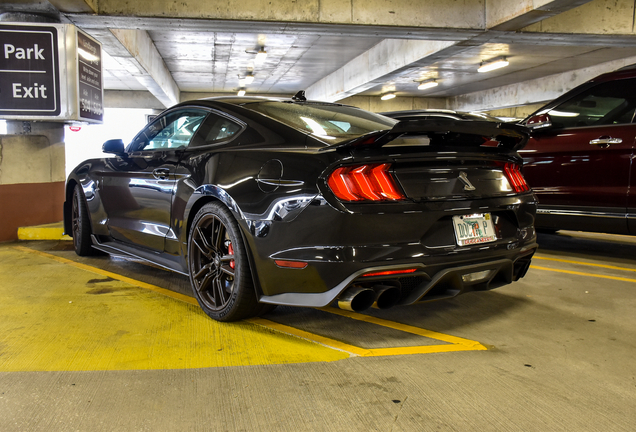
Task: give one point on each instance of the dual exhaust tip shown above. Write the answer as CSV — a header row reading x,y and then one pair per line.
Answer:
x,y
357,298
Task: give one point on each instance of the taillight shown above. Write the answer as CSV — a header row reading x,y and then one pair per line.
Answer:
x,y
515,178
364,183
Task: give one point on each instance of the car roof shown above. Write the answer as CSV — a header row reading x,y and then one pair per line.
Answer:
x,y
622,73
460,115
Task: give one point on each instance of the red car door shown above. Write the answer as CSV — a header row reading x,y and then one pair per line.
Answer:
x,y
580,167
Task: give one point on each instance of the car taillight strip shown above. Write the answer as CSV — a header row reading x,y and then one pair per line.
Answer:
x,y
514,176
390,272
364,183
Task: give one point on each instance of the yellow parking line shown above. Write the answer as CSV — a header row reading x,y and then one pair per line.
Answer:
x,y
457,341
584,263
57,316
112,275
453,343
328,342
584,274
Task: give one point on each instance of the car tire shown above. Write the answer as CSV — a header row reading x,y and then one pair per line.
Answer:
x,y
81,225
219,270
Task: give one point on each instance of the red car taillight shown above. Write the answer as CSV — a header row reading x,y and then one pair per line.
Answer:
x,y
515,178
364,183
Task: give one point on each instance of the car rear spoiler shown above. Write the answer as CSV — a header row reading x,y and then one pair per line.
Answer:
x,y
447,133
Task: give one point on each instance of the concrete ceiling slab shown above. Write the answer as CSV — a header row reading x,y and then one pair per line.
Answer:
x,y
336,49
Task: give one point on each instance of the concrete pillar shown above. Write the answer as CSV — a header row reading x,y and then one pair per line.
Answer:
x,y
32,165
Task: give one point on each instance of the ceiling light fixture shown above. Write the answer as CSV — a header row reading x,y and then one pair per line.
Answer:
x,y
427,84
241,92
489,66
388,96
249,78
260,55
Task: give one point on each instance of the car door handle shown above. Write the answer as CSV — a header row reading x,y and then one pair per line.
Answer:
x,y
606,141
161,173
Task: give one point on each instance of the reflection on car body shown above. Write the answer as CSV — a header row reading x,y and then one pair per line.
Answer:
x,y
266,201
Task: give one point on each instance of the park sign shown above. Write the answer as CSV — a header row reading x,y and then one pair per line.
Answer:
x,y
50,72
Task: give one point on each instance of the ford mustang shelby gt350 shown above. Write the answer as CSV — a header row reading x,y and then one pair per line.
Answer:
x,y
267,202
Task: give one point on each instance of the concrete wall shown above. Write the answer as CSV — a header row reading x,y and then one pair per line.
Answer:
x,y
31,177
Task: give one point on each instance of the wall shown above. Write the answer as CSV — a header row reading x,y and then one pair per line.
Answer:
x,y
31,176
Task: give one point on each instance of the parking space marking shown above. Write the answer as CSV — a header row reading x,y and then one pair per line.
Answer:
x,y
112,275
584,263
452,343
65,319
618,278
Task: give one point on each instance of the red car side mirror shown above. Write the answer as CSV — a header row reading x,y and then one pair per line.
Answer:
x,y
539,121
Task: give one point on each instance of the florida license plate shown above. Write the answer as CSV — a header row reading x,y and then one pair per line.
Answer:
x,y
474,229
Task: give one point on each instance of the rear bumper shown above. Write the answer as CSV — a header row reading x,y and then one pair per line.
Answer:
x,y
427,283
341,248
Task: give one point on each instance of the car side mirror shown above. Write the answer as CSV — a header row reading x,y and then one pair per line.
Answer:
x,y
115,146
539,121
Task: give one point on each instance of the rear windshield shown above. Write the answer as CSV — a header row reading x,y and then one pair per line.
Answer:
x,y
329,123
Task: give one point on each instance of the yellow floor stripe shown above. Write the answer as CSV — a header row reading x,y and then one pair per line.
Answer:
x,y
584,263
452,343
584,274
61,318
140,284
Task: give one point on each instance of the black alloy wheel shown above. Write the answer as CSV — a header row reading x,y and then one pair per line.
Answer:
x,y
81,225
218,266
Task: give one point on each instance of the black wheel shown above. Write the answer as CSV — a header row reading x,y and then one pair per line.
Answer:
x,y
81,225
218,266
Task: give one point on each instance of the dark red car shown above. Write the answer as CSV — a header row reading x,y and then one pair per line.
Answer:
x,y
579,158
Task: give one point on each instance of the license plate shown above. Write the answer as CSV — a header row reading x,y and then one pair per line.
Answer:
x,y
474,229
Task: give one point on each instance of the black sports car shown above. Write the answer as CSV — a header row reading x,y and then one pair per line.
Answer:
x,y
265,202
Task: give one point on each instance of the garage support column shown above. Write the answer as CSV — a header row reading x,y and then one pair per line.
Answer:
x,y
32,165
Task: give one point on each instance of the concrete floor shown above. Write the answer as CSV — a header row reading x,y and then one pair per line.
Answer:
x,y
106,344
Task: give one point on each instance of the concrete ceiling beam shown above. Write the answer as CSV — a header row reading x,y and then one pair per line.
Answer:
x,y
540,90
375,67
594,18
466,14
358,75
147,65
75,6
453,33
504,15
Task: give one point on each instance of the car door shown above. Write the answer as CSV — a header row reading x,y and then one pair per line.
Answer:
x,y
580,166
137,192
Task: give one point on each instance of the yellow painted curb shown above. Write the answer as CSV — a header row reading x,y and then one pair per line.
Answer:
x,y
52,231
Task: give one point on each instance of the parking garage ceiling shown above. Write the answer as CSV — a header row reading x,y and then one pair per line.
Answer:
x,y
337,49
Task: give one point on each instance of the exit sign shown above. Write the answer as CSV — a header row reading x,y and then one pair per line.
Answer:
x,y
29,68
50,72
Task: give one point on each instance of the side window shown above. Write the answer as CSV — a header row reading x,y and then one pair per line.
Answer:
x,y
171,131
607,103
217,129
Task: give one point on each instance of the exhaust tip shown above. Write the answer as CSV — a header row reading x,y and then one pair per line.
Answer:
x,y
388,296
357,299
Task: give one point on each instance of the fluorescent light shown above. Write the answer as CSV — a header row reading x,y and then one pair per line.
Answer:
x,y
260,56
388,96
241,92
489,66
249,78
427,84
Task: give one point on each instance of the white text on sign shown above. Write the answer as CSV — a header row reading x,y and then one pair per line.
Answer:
x,y
34,53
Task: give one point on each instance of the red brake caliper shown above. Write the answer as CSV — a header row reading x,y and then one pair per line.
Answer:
x,y
230,251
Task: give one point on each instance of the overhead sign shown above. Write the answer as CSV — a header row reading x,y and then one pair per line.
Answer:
x,y
89,69
29,71
50,72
